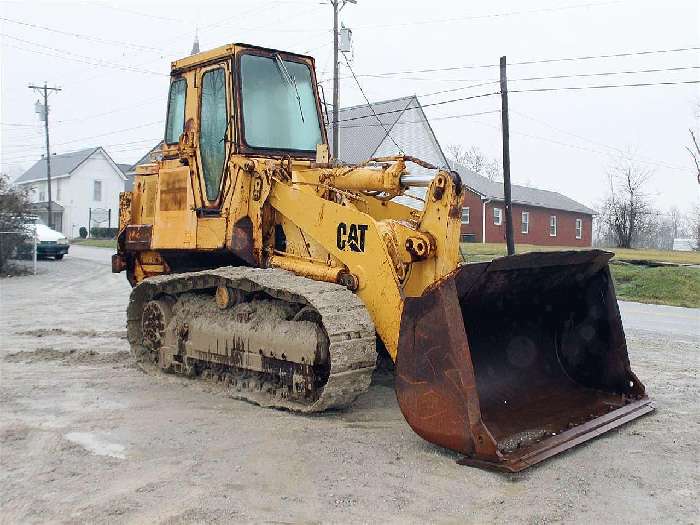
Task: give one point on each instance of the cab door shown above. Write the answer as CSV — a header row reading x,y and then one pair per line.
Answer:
x,y
174,216
214,130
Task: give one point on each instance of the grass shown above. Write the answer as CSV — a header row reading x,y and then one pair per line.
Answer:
x,y
475,252
97,243
674,286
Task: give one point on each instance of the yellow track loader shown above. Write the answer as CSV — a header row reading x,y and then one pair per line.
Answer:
x,y
259,262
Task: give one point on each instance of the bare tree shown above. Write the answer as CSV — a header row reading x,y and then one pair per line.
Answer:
x,y
475,160
695,153
627,211
676,220
694,225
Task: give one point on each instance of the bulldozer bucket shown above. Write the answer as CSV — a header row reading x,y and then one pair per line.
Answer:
x,y
513,361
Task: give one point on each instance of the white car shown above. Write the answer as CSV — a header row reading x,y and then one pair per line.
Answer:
x,y
49,243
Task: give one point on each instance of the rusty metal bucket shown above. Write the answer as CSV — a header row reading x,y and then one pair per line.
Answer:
x,y
512,361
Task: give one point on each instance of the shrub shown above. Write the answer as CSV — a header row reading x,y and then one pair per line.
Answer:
x,y
82,232
103,233
14,217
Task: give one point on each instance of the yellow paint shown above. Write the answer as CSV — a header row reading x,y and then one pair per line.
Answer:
x,y
175,224
307,268
332,220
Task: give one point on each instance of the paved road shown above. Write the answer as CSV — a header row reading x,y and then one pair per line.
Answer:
x,y
666,320
85,437
90,253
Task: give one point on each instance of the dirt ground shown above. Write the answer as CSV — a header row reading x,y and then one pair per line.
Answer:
x,y
87,437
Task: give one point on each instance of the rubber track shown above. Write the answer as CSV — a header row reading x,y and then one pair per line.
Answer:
x,y
344,317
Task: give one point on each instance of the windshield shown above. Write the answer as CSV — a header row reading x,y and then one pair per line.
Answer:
x,y
279,104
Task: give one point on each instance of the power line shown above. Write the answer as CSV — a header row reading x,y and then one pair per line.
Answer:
x,y
178,39
575,146
604,86
81,36
137,13
564,88
461,88
605,73
540,61
613,55
424,106
386,130
144,102
111,132
490,15
557,77
59,53
586,139
16,157
432,119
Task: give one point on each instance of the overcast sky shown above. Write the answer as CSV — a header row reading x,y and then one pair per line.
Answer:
x,y
112,60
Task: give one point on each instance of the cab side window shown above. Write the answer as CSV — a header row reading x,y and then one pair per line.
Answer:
x,y
212,131
176,111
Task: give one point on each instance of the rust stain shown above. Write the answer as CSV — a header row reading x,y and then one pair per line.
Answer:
x,y
138,237
513,361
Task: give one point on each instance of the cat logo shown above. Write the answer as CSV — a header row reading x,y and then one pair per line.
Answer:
x,y
351,236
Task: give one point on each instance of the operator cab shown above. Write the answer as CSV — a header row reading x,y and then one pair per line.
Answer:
x,y
242,99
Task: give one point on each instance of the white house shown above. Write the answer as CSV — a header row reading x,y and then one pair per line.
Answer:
x,y
85,187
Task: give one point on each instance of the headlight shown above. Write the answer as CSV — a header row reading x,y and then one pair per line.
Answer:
x,y
62,240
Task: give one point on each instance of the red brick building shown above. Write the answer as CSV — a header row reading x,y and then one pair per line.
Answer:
x,y
540,217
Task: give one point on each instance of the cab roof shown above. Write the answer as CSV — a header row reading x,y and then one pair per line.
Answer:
x,y
224,51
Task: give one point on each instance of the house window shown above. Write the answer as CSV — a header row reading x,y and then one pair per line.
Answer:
x,y
497,216
579,229
553,226
58,190
42,196
525,225
465,215
97,190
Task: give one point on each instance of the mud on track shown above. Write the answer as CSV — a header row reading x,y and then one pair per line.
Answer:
x,y
87,437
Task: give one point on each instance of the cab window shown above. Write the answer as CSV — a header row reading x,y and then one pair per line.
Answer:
x,y
176,111
279,104
212,131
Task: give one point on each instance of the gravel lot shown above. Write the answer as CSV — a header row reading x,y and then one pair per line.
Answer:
x,y
87,437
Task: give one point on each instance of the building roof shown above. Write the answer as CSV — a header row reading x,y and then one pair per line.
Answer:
x,y
44,206
154,152
360,133
124,167
61,165
519,194
361,136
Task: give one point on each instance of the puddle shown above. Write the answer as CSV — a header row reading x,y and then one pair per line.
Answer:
x,y
92,443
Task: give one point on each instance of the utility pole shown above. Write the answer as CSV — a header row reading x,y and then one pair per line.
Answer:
x,y
506,159
337,7
46,90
